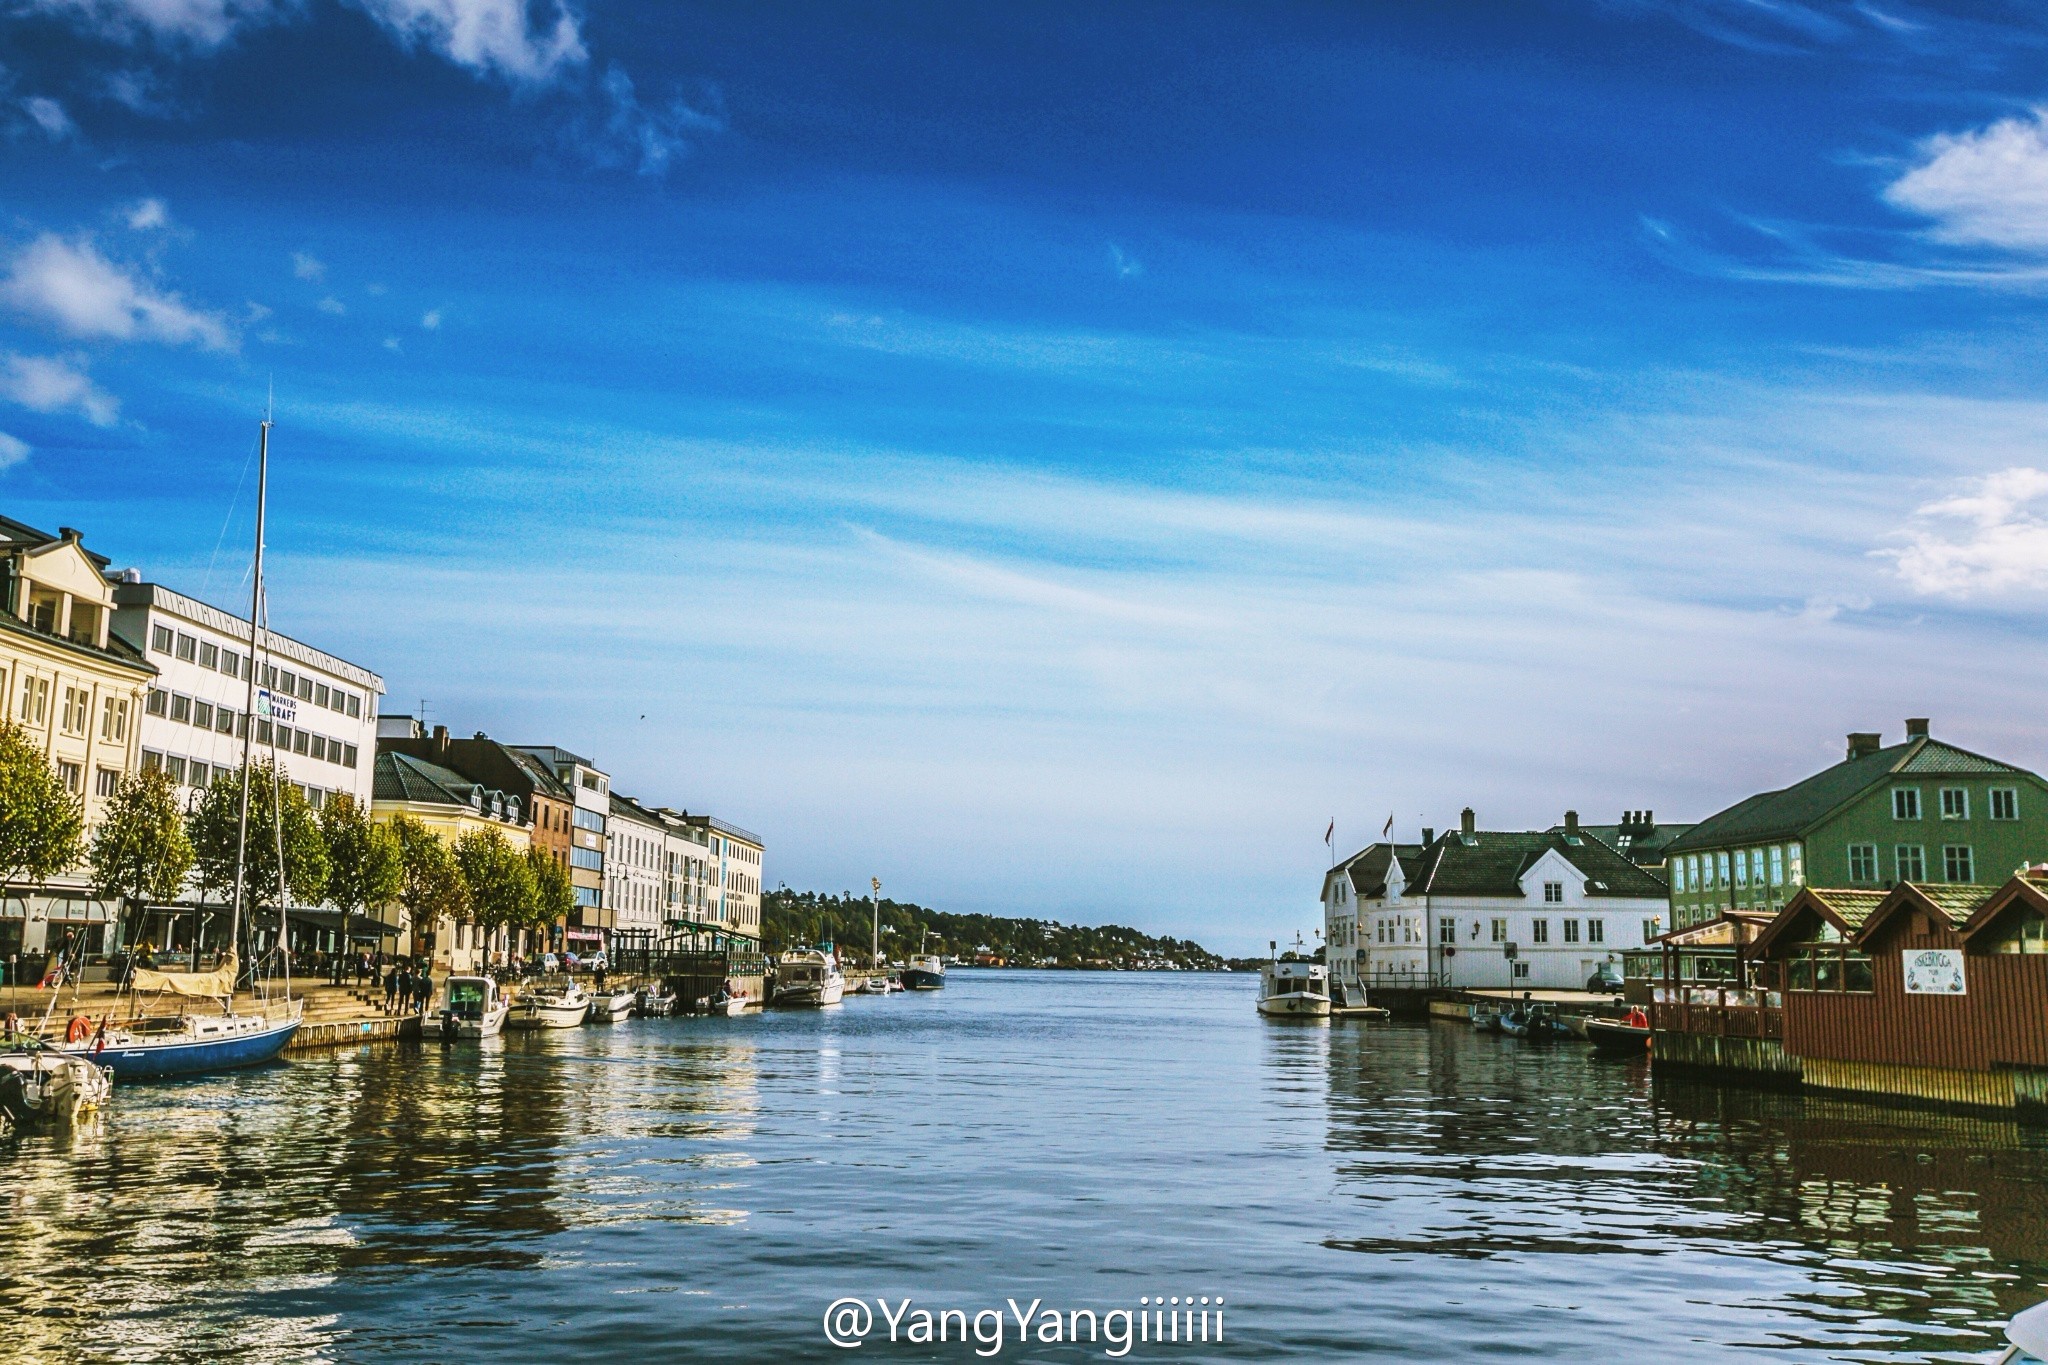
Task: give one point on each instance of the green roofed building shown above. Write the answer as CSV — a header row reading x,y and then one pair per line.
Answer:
x,y
1920,811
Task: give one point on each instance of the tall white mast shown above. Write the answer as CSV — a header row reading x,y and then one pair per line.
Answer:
x,y
249,710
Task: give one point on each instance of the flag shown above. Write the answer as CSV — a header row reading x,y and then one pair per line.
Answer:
x,y
1330,834
1387,828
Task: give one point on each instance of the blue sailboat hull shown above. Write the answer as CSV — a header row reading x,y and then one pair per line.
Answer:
x,y
142,1060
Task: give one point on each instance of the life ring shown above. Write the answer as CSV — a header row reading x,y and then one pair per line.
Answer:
x,y
78,1030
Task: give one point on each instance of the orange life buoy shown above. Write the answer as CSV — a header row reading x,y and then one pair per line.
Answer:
x,y
78,1030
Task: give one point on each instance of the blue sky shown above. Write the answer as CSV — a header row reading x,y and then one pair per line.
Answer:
x,y
1055,458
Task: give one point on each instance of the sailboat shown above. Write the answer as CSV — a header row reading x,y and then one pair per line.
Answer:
x,y
189,1043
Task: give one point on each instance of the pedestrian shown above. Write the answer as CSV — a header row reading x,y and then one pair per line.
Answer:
x,y
390,990
423,988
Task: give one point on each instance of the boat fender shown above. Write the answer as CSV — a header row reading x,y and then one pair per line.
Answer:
x,y
78,1030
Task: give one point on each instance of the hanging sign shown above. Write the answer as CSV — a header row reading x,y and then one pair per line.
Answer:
x,y
1934,971
276,706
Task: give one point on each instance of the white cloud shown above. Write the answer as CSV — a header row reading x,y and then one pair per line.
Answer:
x,y
1986,187
1124,264
44,383
431,320
197,23
307,266
630,135
390,343
490,37
1991,539
12,451
332,305
50,117
146,214
70,285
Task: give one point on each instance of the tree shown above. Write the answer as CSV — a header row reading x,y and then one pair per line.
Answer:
x,y
42,826
274,803
501,889
430,882
554,895
365,869
141,851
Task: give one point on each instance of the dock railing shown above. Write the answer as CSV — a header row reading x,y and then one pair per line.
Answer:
x,y
1718,1011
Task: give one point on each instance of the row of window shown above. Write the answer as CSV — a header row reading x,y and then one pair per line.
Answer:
x,y
1909,863
206,654
1773,865
1955,803
196,773
74,714
205,715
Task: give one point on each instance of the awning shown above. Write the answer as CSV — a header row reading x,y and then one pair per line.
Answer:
x,y
583,935
366,927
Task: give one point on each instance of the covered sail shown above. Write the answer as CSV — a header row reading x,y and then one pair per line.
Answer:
x,y
213,985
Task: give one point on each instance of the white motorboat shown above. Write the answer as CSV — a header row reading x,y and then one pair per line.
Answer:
x,y
1293,986
472,1007
39,1085
2028,1333
562,1008
809,978
877,985
608,1007
656,1002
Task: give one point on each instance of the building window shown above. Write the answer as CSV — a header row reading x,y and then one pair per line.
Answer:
x,y
73,777
1571,931
114,719
1720,869
181,708
188,647
175,766
1596,931
587,858
231,663
1955,803
1863,862
198,775
305,688
1652,928
1958,863
209,654
107,781
589,819
320,695
2005,803
159,703
1741,868
202,715
1500,931
348,755
71,714
35,700
1777,864
1539,930
151,760
263,732
1795,864
1447,931
160,639
319,747
284,738
355,707
1910,862
224,721
1553,893
1521,971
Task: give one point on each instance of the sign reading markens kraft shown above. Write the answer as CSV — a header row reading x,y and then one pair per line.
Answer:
x,y
1934,971
276,706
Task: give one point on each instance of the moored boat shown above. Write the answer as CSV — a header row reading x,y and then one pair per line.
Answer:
x,y
610,1006
925,972
655,1002
1293,986
472,1007
40,1085
1629,1036
2028,1333
563,1008
188,1044
808,978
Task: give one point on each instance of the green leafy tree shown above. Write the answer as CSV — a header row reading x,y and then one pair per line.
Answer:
x,y
554,894
430,885
141,852
278,814
365,868
42,826
501,889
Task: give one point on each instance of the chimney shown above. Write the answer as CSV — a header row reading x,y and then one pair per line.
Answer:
x,y
481,735
440,741
1571,823
1467,822
1428,836
1649,821
1916,727
1862,742
71,533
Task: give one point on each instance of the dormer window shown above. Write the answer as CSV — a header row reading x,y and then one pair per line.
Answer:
x,y
43,606
1553,893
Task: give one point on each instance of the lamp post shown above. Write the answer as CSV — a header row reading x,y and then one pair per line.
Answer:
x,y
875,901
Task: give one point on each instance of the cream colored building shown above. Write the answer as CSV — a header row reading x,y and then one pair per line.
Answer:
x,y
78,690
451,806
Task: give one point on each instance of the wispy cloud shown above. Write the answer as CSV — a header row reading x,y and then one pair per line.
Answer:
x,y
307,266
488,37
201,24
56,384
146,215
619,131
431,320
332,306
1991,538
13,450
69,285
48,115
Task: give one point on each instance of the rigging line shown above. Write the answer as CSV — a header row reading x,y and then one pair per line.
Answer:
x,y
206,583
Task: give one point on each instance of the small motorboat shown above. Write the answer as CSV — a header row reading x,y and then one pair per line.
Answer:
x,y
877,985
563,1008
39,1085
656,1002
472,1007
1627,1037
1292,986
809,977
608,1007
1485,1020
2028,1333
1533,1022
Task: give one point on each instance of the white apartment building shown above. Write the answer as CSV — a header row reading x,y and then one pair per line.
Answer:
x,y
1489,909
635,867
735,865
689,896
316,714
588,819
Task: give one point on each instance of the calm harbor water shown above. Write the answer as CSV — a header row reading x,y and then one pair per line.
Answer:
x,y
704,1188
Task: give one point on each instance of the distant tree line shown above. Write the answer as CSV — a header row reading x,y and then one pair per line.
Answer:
x,y
801,919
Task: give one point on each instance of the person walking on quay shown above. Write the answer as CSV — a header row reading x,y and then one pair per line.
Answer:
x,y
423,987
390,990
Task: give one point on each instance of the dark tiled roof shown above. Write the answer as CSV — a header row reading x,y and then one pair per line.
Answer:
x,y
401,777
118,650
1793,810
1368,867
1850,906
1493,864
1632,843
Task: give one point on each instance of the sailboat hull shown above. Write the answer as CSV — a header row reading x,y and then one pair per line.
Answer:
x,y
142,1059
